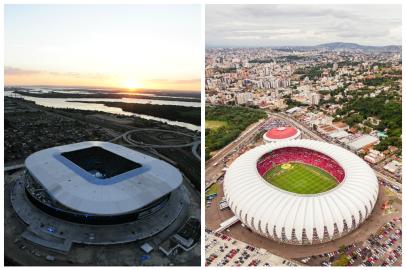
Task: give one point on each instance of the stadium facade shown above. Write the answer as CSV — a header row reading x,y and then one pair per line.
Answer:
x,y
301,219
280,134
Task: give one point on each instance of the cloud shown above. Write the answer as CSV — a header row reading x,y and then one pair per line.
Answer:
x,y
168,81
186,81
13,71
275,25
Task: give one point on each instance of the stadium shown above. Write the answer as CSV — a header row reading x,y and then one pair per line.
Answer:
x,y
301,192
96,193
280,134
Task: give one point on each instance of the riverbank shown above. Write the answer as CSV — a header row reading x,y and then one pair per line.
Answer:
x,y
103,95
171,112
97,105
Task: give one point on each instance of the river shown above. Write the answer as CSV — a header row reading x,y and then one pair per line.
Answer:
x,y
75,103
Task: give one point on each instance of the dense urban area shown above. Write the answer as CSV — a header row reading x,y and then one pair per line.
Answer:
x,y
344,94
352,97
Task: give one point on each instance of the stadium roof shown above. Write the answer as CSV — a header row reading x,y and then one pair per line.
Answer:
x,y
267,209
124,181
281,133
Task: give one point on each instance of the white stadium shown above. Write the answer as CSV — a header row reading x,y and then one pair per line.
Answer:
x,y
98,193
99,181
301,219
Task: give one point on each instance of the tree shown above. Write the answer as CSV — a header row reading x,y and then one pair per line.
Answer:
x,y
342,261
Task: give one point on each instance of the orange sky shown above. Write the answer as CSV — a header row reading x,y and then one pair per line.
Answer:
x,y
120,46
95,80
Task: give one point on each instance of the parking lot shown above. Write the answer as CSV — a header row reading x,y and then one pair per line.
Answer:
x,y
222,250
342,251
384,248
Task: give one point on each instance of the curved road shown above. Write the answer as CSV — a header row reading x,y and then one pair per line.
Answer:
x,y
194,144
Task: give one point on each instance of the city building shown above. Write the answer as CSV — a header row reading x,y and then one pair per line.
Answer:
x,y
362,141
374,156
394,167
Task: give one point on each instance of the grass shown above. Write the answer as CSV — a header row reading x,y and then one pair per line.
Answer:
x,y
389,192
213,189
237,119
214,124
300,178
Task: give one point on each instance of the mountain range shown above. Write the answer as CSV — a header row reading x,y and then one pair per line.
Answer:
x,y
344,46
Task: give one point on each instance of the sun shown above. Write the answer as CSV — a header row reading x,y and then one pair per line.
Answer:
x,y
131,84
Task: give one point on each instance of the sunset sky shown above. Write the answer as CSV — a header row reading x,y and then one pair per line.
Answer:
x,y
127,46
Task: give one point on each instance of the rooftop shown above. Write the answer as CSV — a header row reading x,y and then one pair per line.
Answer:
x,y
101,177
281,133
363,141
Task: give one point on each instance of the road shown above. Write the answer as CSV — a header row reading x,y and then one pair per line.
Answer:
x,y
195,148
214,172
13,167
127,138
300,126
313,135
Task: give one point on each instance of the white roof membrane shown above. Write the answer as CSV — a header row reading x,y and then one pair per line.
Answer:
x,y
77,189
248,192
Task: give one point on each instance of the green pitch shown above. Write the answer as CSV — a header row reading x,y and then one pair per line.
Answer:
x,y
300,178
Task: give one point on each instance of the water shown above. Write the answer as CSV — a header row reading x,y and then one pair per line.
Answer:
x,y
74,103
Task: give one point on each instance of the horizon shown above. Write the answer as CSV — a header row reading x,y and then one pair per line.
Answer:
x,y
105,46
93,87
293,46
256,25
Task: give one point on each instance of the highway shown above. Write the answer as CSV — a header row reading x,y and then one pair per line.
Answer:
x,y
195,148
214,172
14,167
127,138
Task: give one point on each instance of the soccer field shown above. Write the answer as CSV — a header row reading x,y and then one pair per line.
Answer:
x,y
300,178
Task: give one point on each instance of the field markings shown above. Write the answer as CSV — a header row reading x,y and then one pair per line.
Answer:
x,y
301,178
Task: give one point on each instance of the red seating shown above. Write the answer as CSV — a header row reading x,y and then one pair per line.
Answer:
x,y
303,155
